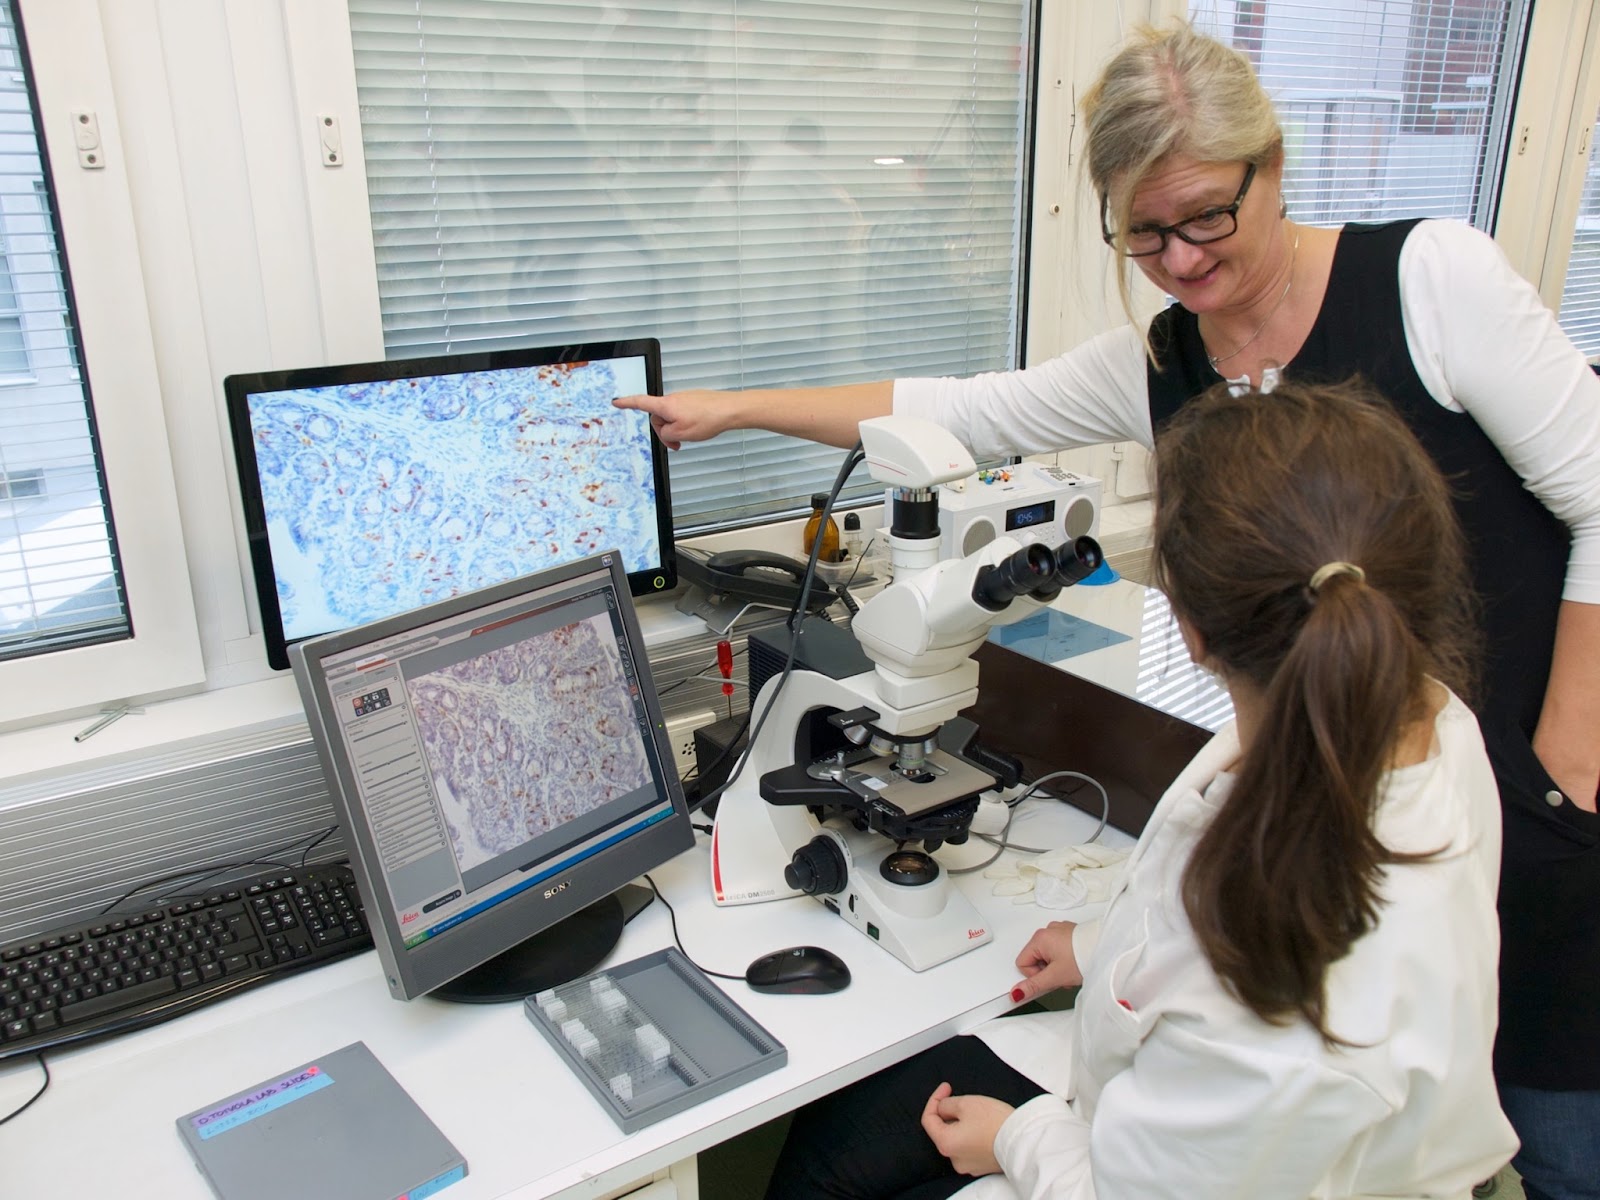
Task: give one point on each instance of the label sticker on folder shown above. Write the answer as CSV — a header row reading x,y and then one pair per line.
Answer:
x,y
265,1099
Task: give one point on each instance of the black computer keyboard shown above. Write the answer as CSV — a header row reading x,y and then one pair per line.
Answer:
x,y
111,974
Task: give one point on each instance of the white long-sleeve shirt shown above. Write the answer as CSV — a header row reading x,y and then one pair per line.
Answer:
x,y
1163,1085
1480,338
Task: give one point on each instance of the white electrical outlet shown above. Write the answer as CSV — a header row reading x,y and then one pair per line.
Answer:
x,y
680,736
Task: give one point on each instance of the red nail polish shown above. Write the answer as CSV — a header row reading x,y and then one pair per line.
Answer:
x,y
1016,995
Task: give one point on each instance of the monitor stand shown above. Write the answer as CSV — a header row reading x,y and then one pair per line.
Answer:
x,y
569,948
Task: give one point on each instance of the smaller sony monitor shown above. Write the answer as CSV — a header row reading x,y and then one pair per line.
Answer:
x,y
372,488
501,768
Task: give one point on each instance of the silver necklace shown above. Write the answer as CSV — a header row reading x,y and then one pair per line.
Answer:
x,y
1282,296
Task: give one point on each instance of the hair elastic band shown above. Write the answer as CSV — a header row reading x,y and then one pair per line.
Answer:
x,y
1328,570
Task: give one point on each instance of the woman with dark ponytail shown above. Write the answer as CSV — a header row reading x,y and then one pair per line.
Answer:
x,y
1325,585
1293,993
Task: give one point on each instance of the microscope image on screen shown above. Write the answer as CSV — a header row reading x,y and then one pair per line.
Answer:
x,y
500,761
528,738
388,495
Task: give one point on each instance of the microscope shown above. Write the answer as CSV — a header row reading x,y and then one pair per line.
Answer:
x,y
851,783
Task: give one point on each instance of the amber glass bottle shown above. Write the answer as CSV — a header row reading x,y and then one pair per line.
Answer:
x,y
829,533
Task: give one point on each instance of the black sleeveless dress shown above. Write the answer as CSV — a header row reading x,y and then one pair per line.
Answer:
x,y
1550,872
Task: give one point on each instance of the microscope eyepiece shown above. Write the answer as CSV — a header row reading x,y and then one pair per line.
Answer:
x,y
1077,560
1022,574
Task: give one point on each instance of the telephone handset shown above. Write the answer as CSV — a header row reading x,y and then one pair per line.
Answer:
x,y
740,562
756,575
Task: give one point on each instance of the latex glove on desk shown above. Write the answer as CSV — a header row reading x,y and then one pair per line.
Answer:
x,y
1061,879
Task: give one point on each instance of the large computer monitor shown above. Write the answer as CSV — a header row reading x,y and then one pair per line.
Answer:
x,y
501,768
374,488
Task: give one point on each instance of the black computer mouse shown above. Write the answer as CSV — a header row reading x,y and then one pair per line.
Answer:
x,y
799,971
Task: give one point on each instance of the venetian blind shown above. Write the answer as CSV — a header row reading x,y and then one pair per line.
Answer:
x,y
785,192
1390,108
1580,300
59,582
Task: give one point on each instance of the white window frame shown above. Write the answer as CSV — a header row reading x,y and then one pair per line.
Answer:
x,y
1575,147
67,49
1543,180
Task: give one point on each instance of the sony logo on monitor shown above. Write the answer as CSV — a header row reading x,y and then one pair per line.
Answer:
x,y
550,893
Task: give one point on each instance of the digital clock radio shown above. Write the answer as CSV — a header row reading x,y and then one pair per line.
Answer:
x,y
1031,502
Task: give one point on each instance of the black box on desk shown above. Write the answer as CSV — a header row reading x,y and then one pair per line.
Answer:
x,y
823,647
717,747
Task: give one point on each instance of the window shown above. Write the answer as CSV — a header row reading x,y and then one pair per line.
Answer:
x,y
59,582
1390,108
1451,48
1580,302
89,613
784,191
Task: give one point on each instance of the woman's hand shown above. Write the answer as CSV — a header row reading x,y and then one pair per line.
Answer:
x,y
1564,739
1047,962
689,416
963,1128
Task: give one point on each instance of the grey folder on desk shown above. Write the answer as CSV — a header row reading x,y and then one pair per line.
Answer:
x,y
337,1128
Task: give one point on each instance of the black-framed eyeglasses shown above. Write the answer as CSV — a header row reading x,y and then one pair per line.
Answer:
x,y
1212,225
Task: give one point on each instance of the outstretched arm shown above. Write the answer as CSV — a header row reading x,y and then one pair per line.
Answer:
x,y
823,414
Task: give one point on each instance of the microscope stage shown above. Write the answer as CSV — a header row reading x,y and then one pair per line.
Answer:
x,y
949,780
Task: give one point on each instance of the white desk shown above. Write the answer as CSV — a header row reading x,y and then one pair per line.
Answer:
x,y
525,1124
1152,665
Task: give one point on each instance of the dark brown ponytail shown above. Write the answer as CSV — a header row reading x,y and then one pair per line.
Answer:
x,y
1255,493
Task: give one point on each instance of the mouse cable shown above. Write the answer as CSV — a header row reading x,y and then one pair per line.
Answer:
x,y
15,1113
671,912
207,870
320,838
1001,845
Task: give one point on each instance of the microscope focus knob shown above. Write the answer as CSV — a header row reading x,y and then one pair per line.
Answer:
x,y
817,868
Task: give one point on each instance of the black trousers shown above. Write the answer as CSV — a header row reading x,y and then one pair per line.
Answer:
x,y
865,1142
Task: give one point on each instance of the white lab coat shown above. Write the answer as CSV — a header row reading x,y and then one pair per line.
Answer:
x,y
1165,1086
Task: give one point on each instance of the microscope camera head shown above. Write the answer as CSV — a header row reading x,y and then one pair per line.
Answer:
x,y
908,452
913,457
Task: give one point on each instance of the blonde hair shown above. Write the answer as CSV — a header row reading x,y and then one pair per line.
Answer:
x,y
1172,91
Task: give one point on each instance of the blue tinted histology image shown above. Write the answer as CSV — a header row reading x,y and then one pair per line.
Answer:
x,y
385,496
